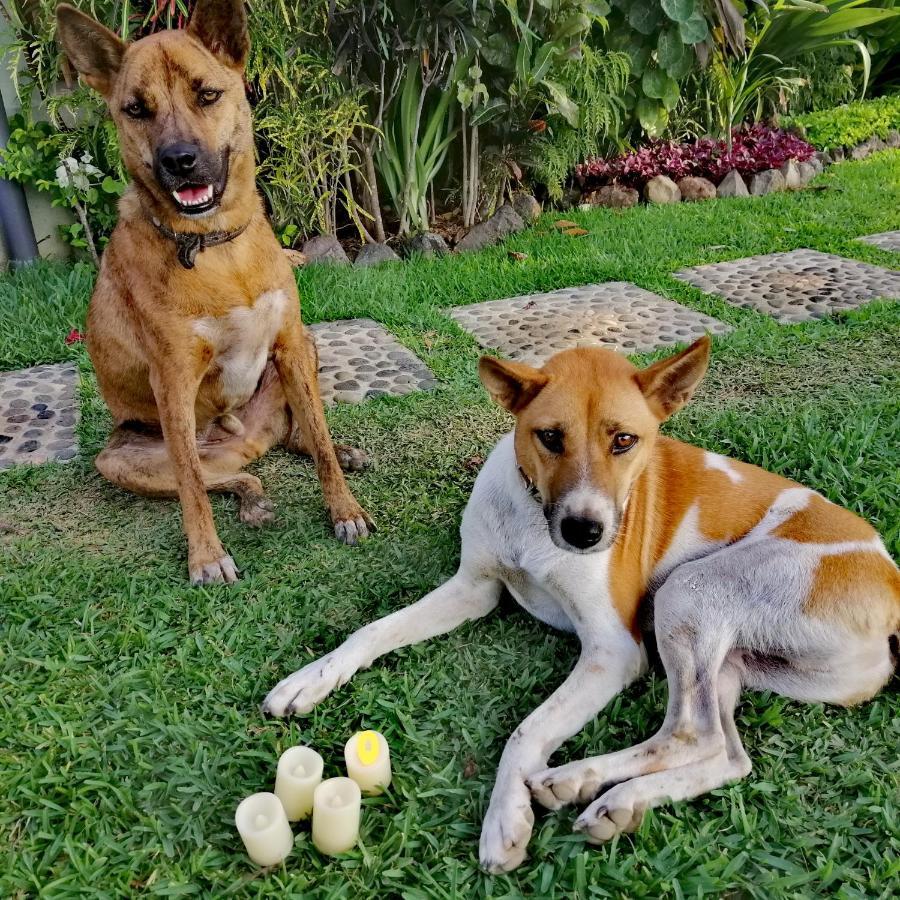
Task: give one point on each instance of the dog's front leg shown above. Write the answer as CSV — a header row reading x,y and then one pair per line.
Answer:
x,y
176,395
295,359
601,672
465,596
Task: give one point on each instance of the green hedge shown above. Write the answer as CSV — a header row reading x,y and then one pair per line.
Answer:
x,y
851,124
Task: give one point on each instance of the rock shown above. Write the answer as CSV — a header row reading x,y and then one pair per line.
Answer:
x,y
732,185
526,206
791,173
427,244
325,248
374,254
866,148
661,189
768,182
807,172
838,154
694,189
823,159
893,138
615,196
295,257
570,199
504,222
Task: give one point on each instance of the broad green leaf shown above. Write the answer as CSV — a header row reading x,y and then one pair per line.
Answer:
x,y
645,16
652,116
567,108
679,10
695,29
654,83
671,50
493,109
671,94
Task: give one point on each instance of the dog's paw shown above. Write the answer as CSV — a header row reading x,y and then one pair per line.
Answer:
x,y
257,510
572,783
506,830
219,571
611,814
299,693
352,523
351,459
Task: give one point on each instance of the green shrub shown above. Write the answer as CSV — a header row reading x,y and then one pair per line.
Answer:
x,y
848,125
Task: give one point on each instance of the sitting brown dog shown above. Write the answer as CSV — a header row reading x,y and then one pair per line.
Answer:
x,y
194,326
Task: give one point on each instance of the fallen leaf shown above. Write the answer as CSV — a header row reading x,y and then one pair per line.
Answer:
x,y
473,463
470,768
575,232
517,255
564,223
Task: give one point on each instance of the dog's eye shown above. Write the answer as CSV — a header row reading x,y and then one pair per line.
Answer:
x,y
136,109
551,438
623,442
208,96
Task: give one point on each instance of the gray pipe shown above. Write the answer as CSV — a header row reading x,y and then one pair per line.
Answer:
x,y
15,220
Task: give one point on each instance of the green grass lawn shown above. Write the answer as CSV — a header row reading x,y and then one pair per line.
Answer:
x,y
129,722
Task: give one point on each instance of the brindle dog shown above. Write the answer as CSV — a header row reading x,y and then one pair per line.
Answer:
x,y
194,327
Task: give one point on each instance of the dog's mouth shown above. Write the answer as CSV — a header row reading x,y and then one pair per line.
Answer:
x,y
195,198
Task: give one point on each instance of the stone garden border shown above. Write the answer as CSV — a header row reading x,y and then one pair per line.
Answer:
x,y
523,209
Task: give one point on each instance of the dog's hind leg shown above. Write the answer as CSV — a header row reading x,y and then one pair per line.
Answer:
x,y
464,597
140,463
622,807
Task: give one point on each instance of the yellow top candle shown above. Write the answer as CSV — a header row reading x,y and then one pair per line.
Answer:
x,y
368,761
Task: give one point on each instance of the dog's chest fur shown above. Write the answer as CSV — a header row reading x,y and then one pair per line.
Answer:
x,y
241,342
507,526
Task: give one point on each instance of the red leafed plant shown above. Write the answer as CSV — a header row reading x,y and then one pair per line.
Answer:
x,y
754,149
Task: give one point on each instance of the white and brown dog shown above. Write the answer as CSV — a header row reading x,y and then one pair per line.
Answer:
x,y
583,513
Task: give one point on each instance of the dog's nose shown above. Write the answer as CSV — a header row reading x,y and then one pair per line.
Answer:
x,y
178,159
581,532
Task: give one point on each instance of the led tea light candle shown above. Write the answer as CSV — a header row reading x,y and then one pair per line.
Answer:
x,y
264,829
335,818
299,774
368,761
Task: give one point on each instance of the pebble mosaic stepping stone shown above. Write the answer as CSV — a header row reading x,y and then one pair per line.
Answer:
x,y
358,360
38,415
796,286
886,240
617,314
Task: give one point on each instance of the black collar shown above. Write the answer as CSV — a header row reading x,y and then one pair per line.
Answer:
x,y
190,243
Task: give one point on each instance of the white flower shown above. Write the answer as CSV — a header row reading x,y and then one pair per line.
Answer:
x,y
62,177
71,163
86,158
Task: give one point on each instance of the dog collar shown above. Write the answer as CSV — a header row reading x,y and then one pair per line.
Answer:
x,y
189,243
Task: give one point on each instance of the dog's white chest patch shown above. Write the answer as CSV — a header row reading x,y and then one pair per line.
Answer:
x,y
241,341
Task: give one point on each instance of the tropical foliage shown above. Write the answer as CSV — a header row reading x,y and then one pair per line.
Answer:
x,y
375,116
851,124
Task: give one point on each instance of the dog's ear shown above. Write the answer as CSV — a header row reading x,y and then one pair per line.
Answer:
x,y
668,384
512,385
94,51
221,26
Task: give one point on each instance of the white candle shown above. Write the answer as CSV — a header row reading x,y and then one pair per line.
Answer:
x,y
264,829
299,774
335,818
368,761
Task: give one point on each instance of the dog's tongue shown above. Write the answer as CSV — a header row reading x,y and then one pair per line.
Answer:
x,y
193,194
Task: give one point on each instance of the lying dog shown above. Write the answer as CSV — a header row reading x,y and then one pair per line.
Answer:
x,y
582,513
194,327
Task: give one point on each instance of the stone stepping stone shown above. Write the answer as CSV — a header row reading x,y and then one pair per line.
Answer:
x,y
38,415
617,315
796,286
886,240
359,360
